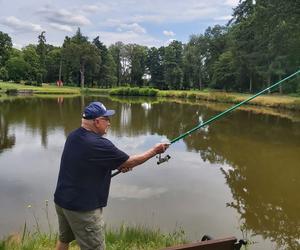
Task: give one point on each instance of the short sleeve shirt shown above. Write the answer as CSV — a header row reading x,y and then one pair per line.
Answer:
x,y
85,171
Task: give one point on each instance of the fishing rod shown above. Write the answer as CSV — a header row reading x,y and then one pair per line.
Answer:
x,y
167,157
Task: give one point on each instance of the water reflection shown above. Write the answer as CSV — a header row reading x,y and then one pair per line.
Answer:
x,y
6,140
260,151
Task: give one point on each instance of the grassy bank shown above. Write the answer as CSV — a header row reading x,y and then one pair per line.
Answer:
x,y
272,100
121,239
44,89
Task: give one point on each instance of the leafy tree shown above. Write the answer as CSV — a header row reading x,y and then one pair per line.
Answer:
x,y
79,53
3,74
52,64
17,68
193,60
216,45
137,56
106,76
5,47
41,50
155,66
224,72
172,65
115,51
32,59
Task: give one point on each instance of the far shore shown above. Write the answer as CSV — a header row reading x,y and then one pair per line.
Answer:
x,y
276,101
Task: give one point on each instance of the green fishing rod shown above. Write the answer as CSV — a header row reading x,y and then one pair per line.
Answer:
x,y
167,157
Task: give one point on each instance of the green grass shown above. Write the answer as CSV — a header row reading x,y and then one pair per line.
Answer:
x,y
274,100
44,89
124,238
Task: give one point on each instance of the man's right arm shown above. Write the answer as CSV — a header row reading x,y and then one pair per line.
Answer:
x,y
136,160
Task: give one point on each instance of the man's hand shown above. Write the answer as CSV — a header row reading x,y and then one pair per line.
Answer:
x,y
136,160
160,148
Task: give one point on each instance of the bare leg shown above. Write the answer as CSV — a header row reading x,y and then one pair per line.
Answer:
x,y
62,246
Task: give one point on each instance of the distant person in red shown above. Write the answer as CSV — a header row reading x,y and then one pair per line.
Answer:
x,y
59,83
84,178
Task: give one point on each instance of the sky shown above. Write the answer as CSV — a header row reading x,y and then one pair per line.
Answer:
x,y
145,22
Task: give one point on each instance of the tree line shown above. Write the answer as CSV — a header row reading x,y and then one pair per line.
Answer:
x,y
258,46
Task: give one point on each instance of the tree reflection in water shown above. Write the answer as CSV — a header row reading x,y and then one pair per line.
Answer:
x,y
6,141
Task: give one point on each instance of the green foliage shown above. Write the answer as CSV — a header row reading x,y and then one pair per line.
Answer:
x,y
127,91
5,48
3,74
17,68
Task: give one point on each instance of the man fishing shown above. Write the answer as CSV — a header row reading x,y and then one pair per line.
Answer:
x,y
84,178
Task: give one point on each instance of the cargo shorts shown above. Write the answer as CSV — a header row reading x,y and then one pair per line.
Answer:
x,y
86,227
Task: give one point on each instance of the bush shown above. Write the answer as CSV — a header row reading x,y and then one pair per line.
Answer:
x,y
191,96
28,82
12,91
126,91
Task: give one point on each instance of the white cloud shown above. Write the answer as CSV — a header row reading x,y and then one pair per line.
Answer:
x,y
136,192
127,37
168,33
61,27
64,17
19,25
99,7
132,27
232,3
90,8
223,18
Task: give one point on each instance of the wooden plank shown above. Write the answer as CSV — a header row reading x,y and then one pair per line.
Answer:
x,y
218,244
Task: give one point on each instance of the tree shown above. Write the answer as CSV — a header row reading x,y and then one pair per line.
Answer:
x,y
155,67
17,68
137,56
173,65
5,48
216,45
3,74
106,75
52,64
32,59
41,50
224,72
80,54
193,60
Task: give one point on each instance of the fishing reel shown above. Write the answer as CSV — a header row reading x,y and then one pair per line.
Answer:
x,y
162,159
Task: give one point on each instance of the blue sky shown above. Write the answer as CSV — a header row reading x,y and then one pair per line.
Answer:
x,y
145,22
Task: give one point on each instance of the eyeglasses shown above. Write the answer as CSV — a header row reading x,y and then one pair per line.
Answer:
x,y
105,118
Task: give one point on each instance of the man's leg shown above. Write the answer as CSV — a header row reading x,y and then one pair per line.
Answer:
x,y
88,228
65,232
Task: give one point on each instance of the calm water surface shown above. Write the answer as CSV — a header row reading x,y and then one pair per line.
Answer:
x,y
238,175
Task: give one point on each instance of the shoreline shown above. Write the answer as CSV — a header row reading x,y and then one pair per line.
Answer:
x,y
276,101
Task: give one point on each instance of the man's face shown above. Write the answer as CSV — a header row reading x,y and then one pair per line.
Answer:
x,y
102,124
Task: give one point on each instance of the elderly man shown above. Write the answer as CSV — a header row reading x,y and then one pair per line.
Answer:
x,y
84,178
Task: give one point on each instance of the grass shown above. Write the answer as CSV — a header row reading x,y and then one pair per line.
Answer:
x,y
271,100
44,89
134,237
122,238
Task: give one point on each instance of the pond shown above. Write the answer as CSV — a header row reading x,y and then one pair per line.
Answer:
x,y
237,176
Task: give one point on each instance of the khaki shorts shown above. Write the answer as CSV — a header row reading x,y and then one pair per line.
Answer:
x,y
86,227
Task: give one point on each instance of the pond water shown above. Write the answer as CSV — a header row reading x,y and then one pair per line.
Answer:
x,y
238,176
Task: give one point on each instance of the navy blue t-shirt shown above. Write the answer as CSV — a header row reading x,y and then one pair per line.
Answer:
x,y
85,171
